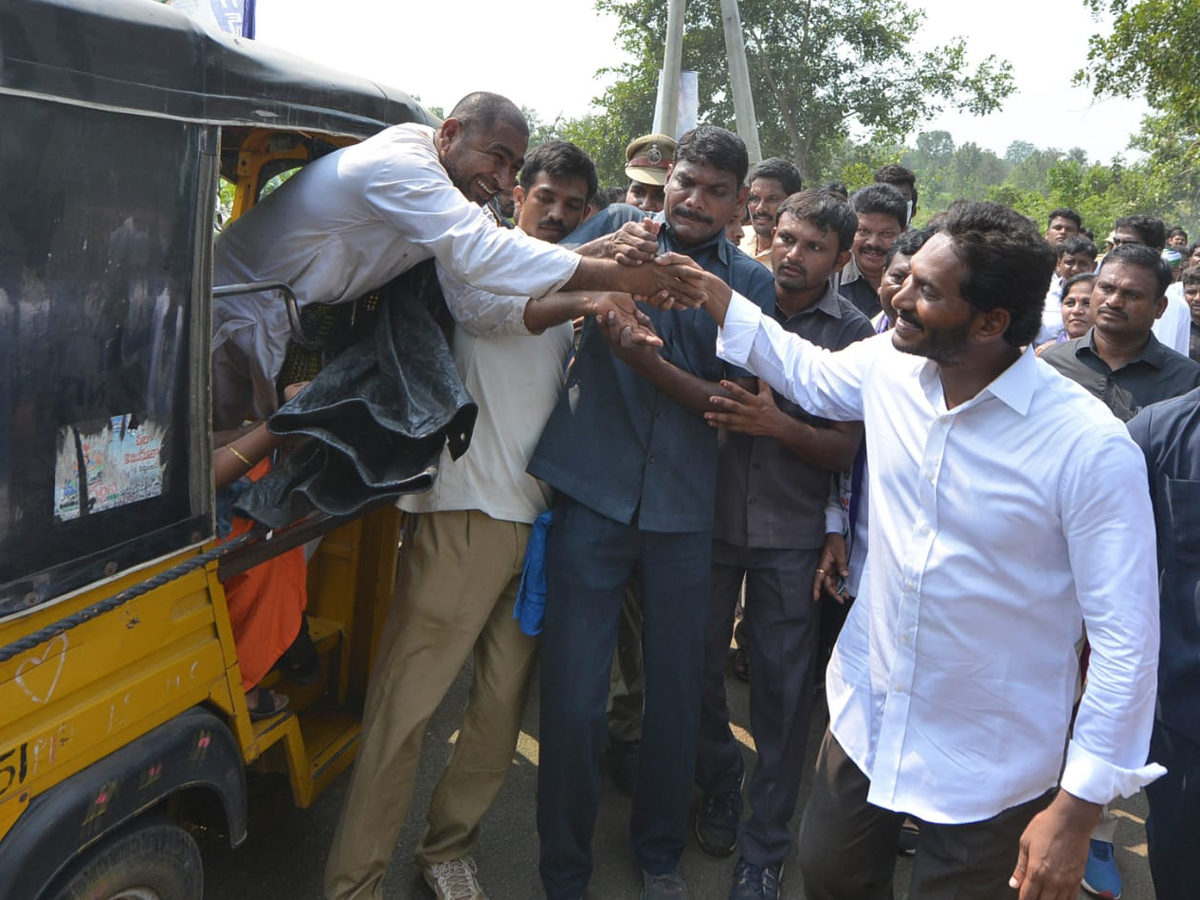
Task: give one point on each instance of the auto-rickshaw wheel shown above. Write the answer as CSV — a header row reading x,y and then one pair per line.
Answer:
x,y
150,860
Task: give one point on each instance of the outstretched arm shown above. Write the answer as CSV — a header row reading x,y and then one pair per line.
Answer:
x,y
688,390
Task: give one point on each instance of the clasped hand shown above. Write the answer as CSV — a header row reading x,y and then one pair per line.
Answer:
x,y
668,279
622,322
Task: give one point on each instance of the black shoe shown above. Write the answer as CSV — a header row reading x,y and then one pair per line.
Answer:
x,y
664,887
622,763
751,882
718,817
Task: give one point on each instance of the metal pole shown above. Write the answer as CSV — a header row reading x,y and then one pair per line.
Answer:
x,y
668,98
739,78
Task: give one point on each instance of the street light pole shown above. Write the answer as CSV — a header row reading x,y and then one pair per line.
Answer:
x,y
739,78
668,97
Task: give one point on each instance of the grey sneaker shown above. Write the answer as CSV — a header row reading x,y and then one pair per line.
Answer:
x,y
664,887
454,880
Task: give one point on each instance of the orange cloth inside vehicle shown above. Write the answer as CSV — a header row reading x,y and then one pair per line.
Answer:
x,y
266,603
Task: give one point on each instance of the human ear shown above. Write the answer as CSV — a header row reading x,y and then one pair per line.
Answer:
x,y
446,134
992,324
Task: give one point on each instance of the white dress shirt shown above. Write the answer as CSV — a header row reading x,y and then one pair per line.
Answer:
x,y
516,378
998,528
341,227
1052,320
1174,327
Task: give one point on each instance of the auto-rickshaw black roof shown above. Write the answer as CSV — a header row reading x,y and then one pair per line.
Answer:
x,y
79,51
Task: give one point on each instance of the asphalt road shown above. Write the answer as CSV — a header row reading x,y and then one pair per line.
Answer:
x,y
284,856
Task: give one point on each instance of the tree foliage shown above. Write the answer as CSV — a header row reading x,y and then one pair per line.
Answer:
x,y
819,69
1151,52
1034,180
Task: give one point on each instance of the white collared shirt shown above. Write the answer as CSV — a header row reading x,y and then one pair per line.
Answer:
x,y
344,225
998,528
1174,327
516,378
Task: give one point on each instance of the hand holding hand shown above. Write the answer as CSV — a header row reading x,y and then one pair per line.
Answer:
x,y
627,316
634,243
635,346
676,280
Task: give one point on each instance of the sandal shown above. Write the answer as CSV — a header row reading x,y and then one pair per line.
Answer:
x,y
267,704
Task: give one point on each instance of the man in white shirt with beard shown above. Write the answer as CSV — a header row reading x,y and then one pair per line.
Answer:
x,y
1008,510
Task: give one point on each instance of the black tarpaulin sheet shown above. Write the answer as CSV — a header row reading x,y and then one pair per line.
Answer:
x,y
378,415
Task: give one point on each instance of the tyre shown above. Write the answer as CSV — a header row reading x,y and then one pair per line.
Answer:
x,y
149,861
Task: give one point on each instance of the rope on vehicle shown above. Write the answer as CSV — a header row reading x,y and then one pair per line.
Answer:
x,y
42,635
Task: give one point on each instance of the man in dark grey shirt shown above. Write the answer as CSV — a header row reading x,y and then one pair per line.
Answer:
x,y
774,473
634,468
1119,359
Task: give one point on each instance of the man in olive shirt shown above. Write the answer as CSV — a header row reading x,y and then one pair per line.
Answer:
x,y
1120,360
775,467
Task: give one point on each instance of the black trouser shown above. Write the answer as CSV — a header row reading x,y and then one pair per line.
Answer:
x,y
782,622
848,847
1173,825
589,560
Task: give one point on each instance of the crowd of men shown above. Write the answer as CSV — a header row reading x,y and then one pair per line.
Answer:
x,y
845,409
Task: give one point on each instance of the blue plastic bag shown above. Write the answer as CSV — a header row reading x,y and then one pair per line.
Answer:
x,y
530,607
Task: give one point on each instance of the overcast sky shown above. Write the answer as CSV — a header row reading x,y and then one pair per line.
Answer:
x,y
544,55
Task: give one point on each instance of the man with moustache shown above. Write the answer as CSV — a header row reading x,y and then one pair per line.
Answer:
x,y
1171,327
460,568
775,467
351,221
1119,360
771,182
882,216
634,467
952,685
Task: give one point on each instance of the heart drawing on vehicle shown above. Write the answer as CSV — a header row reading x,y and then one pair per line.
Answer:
x,y
34,669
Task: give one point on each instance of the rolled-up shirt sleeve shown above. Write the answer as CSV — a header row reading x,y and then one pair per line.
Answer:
x,y
417,199
824,383
1109,526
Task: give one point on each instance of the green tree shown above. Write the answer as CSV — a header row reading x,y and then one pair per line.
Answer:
x,y
817,68
1151,52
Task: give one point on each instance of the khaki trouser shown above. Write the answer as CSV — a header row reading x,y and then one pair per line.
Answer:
x,y
458,578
